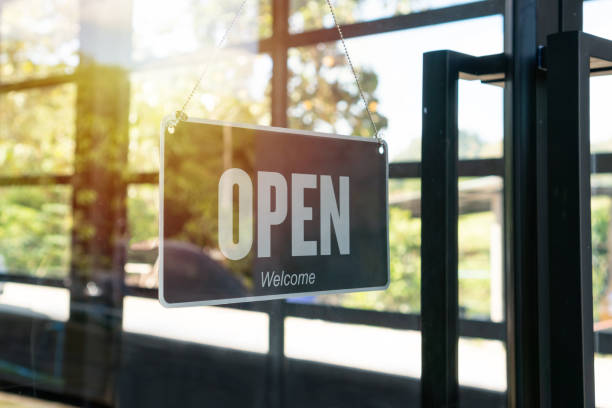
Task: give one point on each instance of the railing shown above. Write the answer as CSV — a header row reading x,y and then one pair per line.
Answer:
x,y
470,328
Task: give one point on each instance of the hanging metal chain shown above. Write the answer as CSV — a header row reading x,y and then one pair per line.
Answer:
x,y
180,114
350,62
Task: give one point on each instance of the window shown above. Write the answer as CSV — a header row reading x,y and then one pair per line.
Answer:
x,y
84,86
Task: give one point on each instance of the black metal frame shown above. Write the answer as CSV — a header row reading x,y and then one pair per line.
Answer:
x,y
569,273
439,241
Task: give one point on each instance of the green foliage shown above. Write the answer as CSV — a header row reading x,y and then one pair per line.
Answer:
x,y
474,257
600,227
35,230
37,130
323,94
403,293
143,208
224,95
39,38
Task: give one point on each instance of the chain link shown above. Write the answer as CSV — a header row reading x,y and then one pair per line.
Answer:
x,y
180,114
350,62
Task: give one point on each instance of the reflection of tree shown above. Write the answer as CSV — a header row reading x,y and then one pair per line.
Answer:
x,y
34,230
37,131
313,14
224,95
405,261
100,168
49,48
195,158
323,94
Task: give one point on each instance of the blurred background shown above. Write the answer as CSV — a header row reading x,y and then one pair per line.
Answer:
x,y
84,85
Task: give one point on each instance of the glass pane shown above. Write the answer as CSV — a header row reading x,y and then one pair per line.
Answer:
x,y
480,248
482,364
601,207
236,88
33,332
481,124
35,301
308,15
38,38
164,29
216,326
603,379
363,347
35,227
143,232
601,213
480,252
37,132
596,18
323,95
601,120
404,292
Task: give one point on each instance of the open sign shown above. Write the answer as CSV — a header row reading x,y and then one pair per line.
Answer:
x,y
255,213
272,190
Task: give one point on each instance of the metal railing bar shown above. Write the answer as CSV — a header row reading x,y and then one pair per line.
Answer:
x,y
37,83
465,168
400,22
469,328
35,180
33,280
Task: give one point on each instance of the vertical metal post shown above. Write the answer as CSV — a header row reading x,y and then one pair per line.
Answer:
x,y
439,297
276,356
276,333
569,273
92,350
523,116
570,18
280,35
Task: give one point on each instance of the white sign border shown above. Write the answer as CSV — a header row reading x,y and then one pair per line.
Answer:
x,y
160,261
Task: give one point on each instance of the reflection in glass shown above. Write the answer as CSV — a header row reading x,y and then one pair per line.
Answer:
x,y
480,248
404,292
480,252
35,227
143,227
236,89
38,38
601,225
37,131
169,29
322,94
310,15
